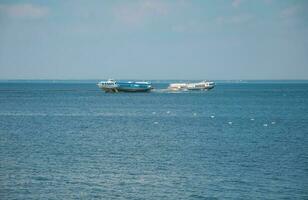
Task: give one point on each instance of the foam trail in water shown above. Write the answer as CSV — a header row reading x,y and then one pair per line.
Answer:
x,y
172,91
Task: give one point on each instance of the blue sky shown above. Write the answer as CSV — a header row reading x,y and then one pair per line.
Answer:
x,y
154,39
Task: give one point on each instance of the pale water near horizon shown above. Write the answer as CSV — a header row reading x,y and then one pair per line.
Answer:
x,y
71,141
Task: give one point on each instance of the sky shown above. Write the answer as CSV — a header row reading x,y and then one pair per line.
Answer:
x,y
154,39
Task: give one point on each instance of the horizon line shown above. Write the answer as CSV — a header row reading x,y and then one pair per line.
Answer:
x,y
95,79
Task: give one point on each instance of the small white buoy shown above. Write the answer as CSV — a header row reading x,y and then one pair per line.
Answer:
x,y
265,125
273,122
230,123
153,113
252,119
195,114
212,116
168,112
155,122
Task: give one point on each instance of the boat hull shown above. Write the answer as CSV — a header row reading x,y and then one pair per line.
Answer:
x,y
114,86
203,88
204,85
111,90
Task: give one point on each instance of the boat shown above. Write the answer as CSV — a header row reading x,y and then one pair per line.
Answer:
x,y
125,86
203,85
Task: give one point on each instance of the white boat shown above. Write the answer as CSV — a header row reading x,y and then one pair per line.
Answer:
x,y
203,85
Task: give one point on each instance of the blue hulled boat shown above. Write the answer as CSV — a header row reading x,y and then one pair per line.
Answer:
x,y
124,86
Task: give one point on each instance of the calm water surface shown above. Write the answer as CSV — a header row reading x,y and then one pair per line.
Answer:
x,y
71,141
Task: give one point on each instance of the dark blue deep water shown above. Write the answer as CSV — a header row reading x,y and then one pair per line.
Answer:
x,y
72,141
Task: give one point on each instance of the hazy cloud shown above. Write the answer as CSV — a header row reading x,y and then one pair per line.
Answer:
x,y
268,1
24,11
236,19
290,11
138,13
236,3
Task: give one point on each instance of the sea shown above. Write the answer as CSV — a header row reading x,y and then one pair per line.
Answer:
x,y
70,140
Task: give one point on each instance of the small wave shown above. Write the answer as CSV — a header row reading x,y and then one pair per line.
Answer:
x,y
196,196
65,114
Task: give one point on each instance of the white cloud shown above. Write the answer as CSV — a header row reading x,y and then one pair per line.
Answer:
x,y
138,13
24,11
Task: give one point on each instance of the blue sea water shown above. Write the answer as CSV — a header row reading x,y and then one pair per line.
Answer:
x,y
72,141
